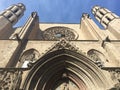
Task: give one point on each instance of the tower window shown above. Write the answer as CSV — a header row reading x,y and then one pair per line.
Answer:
x,y
19,14
16,10
108,18
98,17
9,15
105,23
101,13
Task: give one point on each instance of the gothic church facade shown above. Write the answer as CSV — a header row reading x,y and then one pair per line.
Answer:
x,y
55,56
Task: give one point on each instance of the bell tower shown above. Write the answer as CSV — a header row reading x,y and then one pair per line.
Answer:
x,y
108,20
8,18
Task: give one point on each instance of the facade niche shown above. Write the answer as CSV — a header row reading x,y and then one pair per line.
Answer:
x,y
28,57
97,57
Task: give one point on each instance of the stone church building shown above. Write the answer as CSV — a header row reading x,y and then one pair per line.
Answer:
x,y
55,56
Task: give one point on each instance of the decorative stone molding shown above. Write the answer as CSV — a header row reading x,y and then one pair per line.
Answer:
x,y
10,80
85,15
115,73
115,76
64,44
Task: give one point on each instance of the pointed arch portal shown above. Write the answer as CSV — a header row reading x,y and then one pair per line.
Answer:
x,y
62,69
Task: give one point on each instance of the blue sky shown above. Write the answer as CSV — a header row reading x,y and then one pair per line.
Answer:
x,y
61,11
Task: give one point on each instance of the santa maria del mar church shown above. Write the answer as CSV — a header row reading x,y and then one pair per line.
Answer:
x,y
56,56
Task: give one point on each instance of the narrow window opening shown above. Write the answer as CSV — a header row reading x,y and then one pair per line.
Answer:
x,y
16,10
105,23
19,14
10,15
108,18
101,13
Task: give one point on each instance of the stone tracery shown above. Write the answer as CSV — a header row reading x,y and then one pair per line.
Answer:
x,y
56,33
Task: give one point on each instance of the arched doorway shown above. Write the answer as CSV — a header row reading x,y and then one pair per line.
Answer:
x,y
63,70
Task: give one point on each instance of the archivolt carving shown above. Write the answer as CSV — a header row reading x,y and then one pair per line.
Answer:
x,y
56,33
58,62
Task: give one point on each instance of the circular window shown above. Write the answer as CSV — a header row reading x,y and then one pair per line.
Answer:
x,y
56,33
